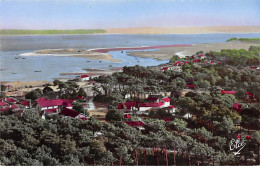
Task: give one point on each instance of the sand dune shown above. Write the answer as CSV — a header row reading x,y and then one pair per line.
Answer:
x,y
186,30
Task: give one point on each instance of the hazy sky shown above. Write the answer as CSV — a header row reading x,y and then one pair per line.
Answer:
x,y
85,14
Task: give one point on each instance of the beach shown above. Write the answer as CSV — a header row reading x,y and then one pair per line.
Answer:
x,y
167,53
164,52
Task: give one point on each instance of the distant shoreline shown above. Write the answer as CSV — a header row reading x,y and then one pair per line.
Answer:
x,y
138,31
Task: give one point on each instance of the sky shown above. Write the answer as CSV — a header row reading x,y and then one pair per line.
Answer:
x,y
102,14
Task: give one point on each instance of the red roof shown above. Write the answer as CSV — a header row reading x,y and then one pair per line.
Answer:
x,y
201,55
219,63
166,119
120,106
191,86
166,99
24,103
206,62
130,104
13,106
212,62
83,76
127,116
254,67
81,97
4,109
249,94
228,92
186,61
3,104
11,100
135,123
164,68
57,102
69,112
196,60
182,63
151,104
237,107
176,63
171,107
51,111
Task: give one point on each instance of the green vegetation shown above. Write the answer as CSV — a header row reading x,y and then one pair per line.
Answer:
x,y
50,32
245,39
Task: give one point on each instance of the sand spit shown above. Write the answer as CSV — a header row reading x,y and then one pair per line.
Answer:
x,y
167,53
73,53
186,30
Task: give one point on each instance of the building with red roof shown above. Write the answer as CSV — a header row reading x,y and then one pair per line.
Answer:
x,y
127,116
3,104
84,77
11,100
191,86
44,104
130,105
196,60
177,63
139,124
164,68
237,107
228,92
69,112
255,67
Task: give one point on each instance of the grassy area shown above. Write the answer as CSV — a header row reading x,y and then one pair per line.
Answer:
x,y
245,39
50,32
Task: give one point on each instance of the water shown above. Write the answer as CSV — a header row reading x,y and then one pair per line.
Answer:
x,y
52,66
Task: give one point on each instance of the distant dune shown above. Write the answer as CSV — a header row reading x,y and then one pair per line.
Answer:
x,y
186,30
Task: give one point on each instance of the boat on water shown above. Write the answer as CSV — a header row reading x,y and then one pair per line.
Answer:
x,y
88,61
37,71
15,73
23,58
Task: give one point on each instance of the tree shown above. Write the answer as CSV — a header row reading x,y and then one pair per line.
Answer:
x,y
47,89
226,125
174,58
3,87
241,94
82,92
114,115
34,94
179,124
56,82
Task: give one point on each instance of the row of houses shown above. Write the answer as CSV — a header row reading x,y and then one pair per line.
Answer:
x,y
14,104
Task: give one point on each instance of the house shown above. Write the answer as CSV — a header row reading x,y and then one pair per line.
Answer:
x,y
3,103
25,103
249,95
191,86
196,60
11,100
84,77
202,56
166,101
127,116
228,92
8,87
177,63
237,107
171,109
139,124
255,67
44,104
164,68
147,106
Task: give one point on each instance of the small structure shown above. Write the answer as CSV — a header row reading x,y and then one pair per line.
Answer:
x,y
228,92
191,86
237,107
139,124
255,67
84,77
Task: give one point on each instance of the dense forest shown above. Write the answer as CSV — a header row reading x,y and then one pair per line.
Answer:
x,y
204,140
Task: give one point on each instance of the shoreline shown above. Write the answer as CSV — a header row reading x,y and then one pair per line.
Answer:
x,y
164,52
134,34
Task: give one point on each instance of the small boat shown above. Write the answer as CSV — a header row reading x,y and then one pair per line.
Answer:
x,y
16,57
100,61
23,58
88,61
37,71
15,73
